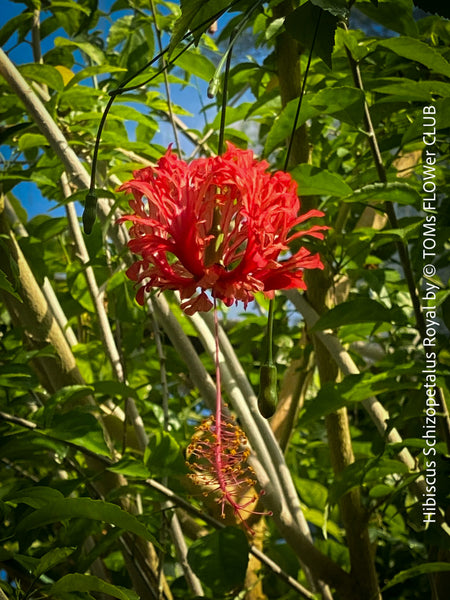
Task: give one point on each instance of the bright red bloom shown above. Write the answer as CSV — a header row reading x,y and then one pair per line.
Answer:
x,y
216,224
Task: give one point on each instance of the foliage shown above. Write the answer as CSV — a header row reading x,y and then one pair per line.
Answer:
x,y
99,397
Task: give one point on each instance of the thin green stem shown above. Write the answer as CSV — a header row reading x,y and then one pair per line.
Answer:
x,y
166,81
224,104
270,334
302,93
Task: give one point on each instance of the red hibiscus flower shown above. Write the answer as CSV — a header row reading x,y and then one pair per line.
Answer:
x,y
217,224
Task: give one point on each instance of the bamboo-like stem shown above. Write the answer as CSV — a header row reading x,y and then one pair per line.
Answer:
x,y
103,321
47,288
33,315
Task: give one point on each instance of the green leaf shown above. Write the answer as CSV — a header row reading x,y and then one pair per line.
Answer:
x,y
354,388
196,64
360,310
12,25
220,559
93,71
395,15
424,54
345,103
317,518
281,129
313,181
5,285
45,74
301,24
163,455
130,467
422,569
380,491
87,48
395,192
408,90
79,428
415,130
129,113
196,17
51,559
36,496
71,393
338,8
114,389
32,140
85,508
17,376
90,583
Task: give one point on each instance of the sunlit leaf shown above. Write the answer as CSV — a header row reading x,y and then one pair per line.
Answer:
x,y
414,49
313,181
90,583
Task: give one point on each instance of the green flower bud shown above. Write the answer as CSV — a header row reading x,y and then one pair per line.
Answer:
x,y
267,396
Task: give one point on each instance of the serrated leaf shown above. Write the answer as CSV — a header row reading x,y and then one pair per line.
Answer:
x,y
114,389
32,140
395,192
17,376
85,508
338,8
196,17
130,467
354,388
36,496
43,73
301,24
123,112
7,287
313,181
90,583
92,72
422,569
281,129
220,559
416,50
196,64
360,310
163,455
51,559
408,89
345,103
87,48
395,15
79,428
